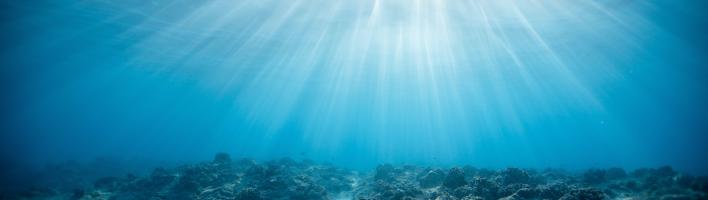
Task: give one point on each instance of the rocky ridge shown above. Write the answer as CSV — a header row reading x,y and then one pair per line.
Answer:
x,y
246,179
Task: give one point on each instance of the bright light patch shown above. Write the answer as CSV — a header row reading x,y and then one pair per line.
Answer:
x,y
434,79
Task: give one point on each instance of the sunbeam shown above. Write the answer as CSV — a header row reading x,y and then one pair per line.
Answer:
x,y
538,83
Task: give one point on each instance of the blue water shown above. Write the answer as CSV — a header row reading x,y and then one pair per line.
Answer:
x,y
569,84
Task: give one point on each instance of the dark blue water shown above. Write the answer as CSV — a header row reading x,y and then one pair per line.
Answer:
x,y
570,84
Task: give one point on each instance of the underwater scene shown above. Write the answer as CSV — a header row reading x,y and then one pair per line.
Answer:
x,y
354,99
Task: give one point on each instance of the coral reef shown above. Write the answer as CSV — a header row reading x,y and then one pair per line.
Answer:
x,y
245,179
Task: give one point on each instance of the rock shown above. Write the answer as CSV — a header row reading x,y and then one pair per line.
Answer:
x,y
510,189
615,173
584,194
37,193
160,177
665,171
514,175
384,172
107,183
455,178
512,197
463,191
654,182
445,196
399,190
470,171
246,163
248,194
485,188
246,179
553,191
594,176
700,184
676,197
190,181
222,158
485,173
685,180
432,178
556,175
333,179
472,197
631,185
272,170
78,193
640,172
287,161
226,191
274,183
306,189
527,193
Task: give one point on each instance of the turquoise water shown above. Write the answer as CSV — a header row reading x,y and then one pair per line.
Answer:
x,y
569,84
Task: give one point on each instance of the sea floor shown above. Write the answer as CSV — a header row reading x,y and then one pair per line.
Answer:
x,y
246,179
